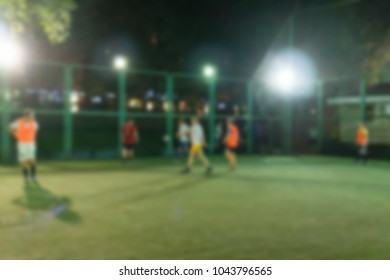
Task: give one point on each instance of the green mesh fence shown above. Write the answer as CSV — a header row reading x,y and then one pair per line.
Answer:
x,y
81,109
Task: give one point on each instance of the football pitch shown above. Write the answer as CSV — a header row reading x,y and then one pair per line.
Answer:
x,y
270,208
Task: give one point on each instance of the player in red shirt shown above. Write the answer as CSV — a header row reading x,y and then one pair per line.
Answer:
x,y
129,139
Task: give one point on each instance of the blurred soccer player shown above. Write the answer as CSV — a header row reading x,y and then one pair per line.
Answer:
x,y
362,141
25,130
231,142
183,134
197,144
130,139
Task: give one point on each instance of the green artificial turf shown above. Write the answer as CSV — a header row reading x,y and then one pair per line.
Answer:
x,y
271,208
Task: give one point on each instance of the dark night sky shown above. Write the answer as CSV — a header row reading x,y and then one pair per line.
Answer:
x,y
235,35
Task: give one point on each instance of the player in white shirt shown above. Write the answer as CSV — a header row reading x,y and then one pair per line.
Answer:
x,y
183,135
197,143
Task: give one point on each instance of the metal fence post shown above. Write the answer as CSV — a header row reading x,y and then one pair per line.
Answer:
x,y
5,117
170,117
212,97
320,115
287,125
249,104
121,106
363,94
68,118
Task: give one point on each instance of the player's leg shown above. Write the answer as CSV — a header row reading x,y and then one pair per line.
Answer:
x,y
180,151
124,154
131,153
361,154
25,171
33,169
202,157
364,154
33,161
179,154
23,162
185,149
190,160
231,157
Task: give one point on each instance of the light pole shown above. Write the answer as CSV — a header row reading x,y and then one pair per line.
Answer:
x,y
210,72
68,118
121,65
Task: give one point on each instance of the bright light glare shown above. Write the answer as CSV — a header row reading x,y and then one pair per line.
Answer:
x,y
209,71
120,63
290,72
11,54
74,98
149,106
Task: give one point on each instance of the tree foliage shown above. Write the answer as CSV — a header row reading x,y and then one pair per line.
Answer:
x,y
54,17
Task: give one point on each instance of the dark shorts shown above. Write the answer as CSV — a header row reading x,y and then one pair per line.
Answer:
x,y
128,147
184,145
363,150
231,149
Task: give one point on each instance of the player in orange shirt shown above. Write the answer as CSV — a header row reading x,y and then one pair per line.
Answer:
x,y
362,141
232,140
25,130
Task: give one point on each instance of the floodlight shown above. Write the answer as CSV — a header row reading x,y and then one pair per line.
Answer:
x,y
11,54
290,72
209,71
120,63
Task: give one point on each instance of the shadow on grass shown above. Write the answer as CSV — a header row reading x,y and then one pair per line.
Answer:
x,y
106,166
176,187
38,198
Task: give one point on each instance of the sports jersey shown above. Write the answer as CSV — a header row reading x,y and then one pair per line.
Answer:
x,y
184,129
233,136
197,135
129,134
362,136
25,131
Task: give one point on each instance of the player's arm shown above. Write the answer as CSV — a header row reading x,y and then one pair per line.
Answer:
x,y
227,135
13,128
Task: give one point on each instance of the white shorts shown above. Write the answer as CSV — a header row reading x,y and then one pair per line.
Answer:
x,y
26,152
